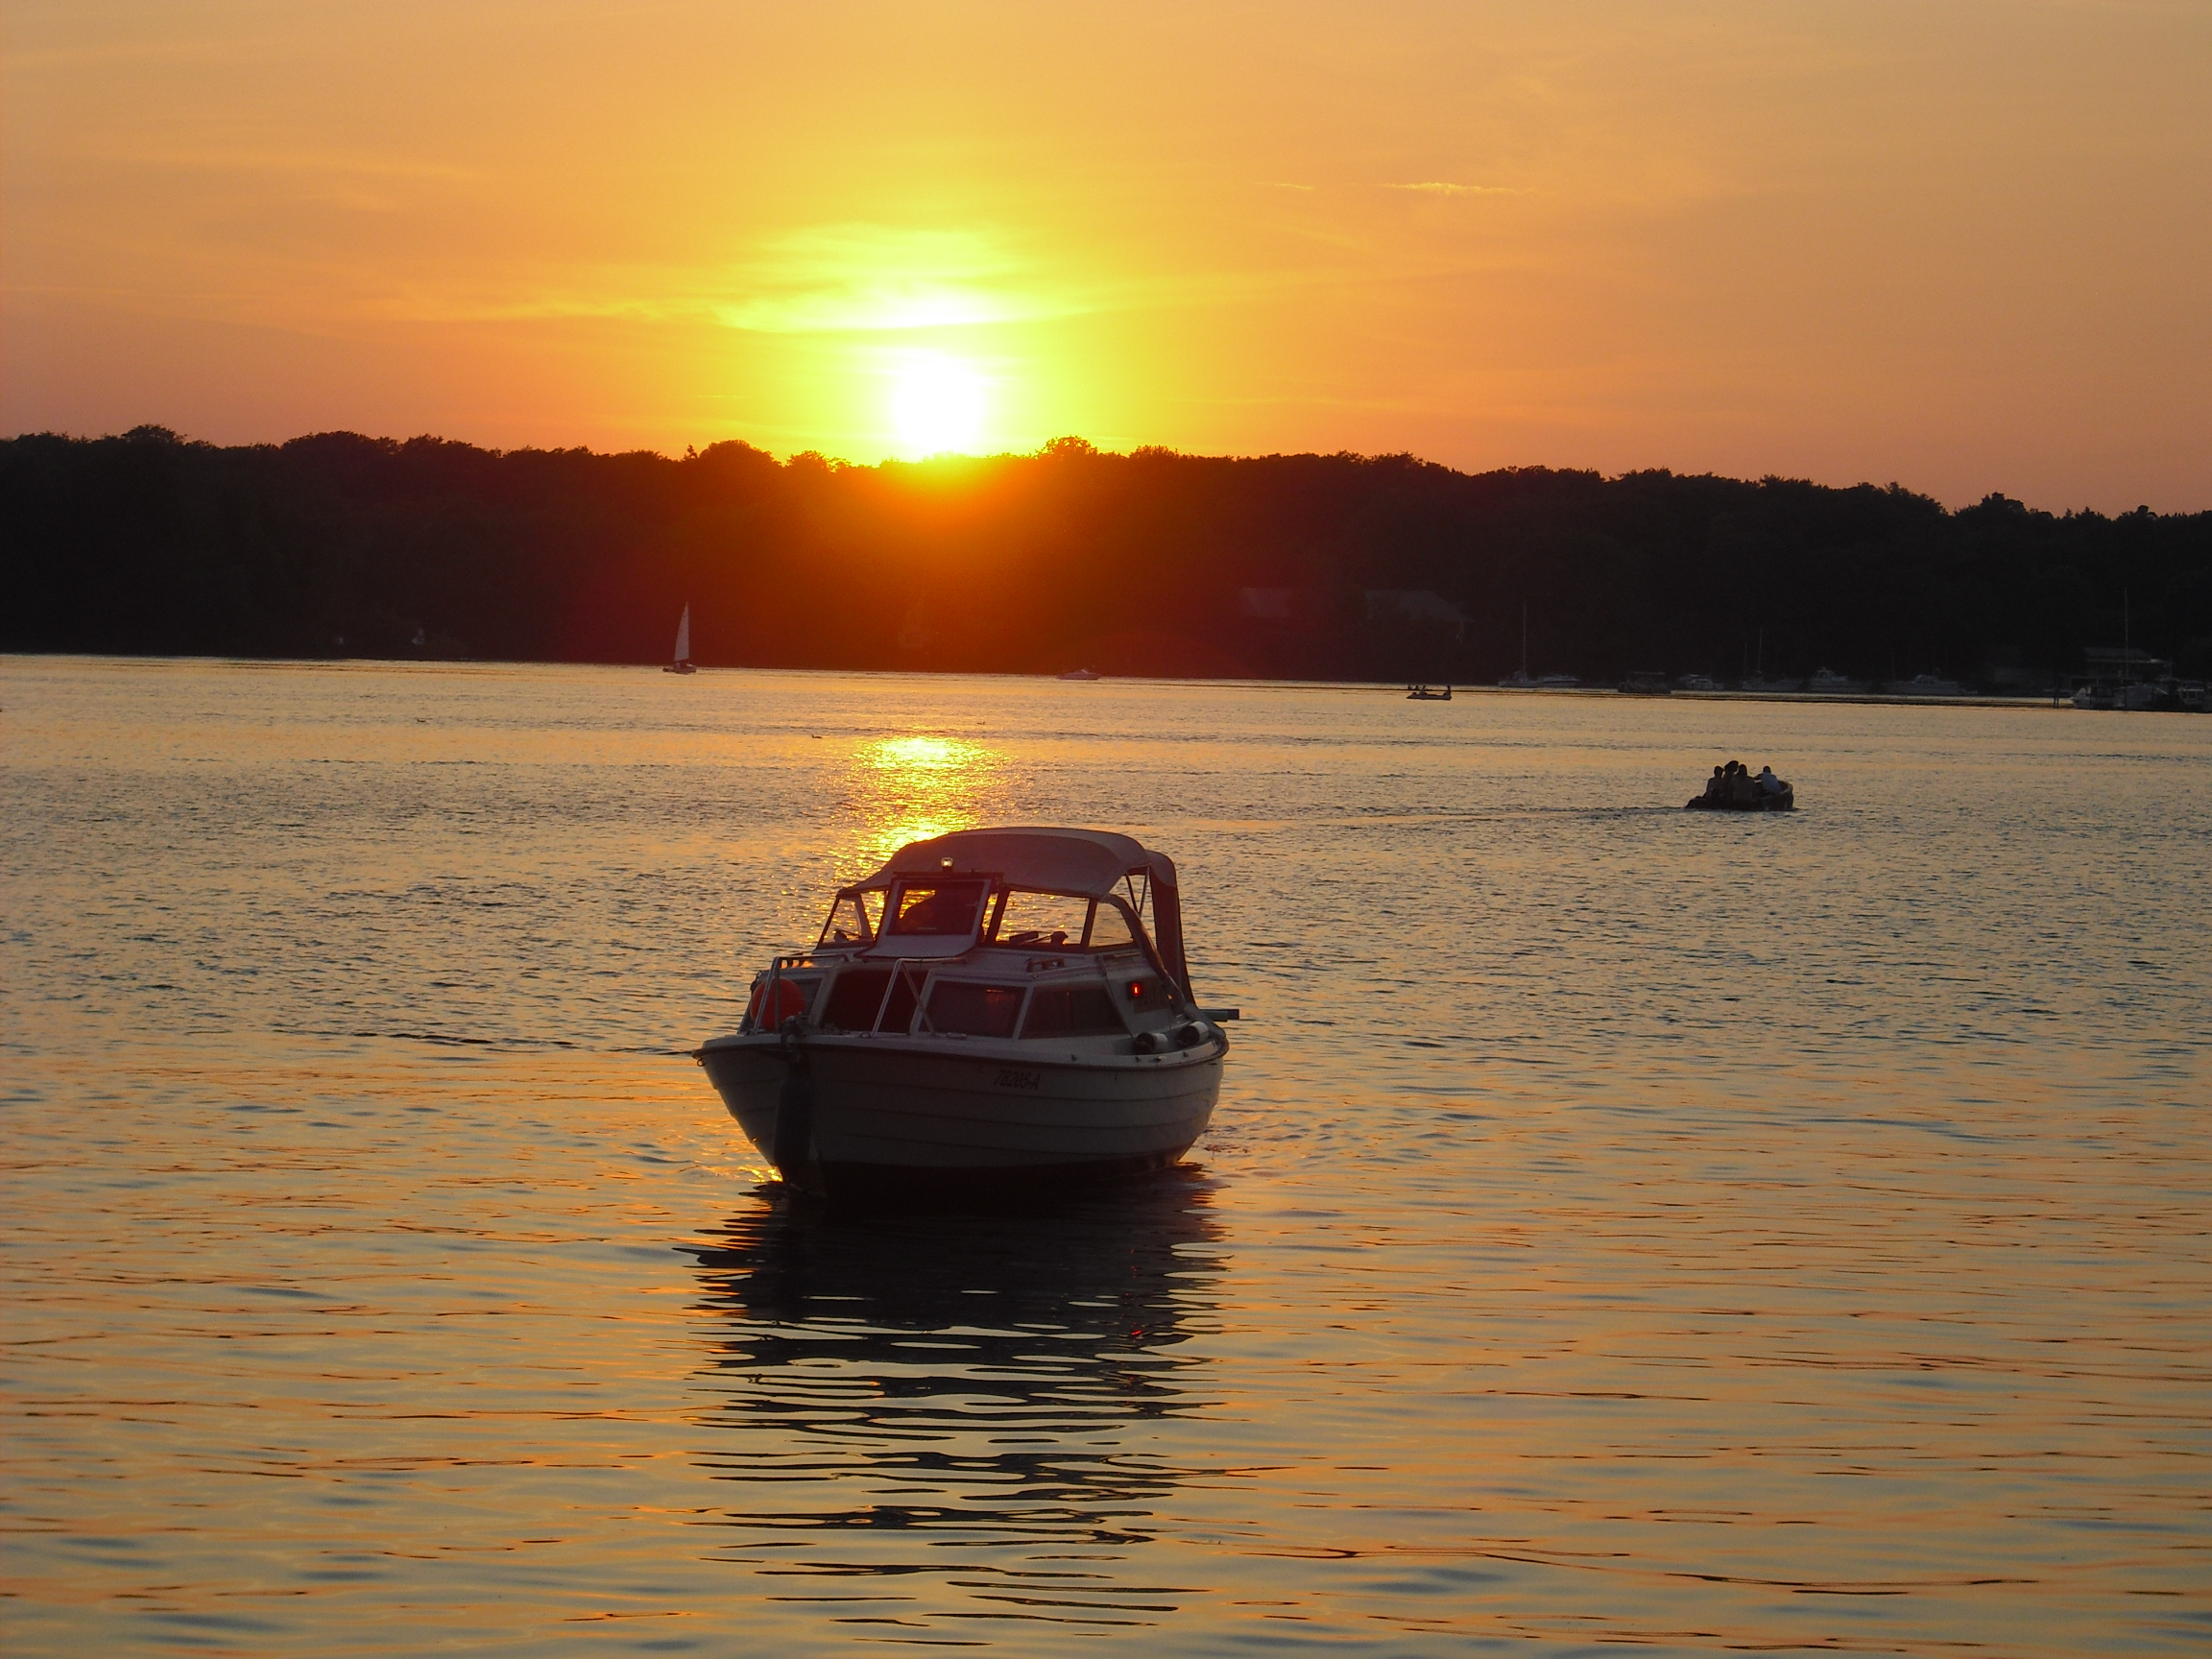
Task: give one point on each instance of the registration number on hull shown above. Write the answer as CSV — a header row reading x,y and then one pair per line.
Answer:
x,y
1016,1078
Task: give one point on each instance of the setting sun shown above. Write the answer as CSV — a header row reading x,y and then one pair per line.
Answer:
x,y
936,404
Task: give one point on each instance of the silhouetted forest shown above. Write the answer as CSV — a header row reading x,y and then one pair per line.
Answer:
x,y
1318,567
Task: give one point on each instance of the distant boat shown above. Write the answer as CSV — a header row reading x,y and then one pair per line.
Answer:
x,y
1698,682
1647,682
1082,674
1926,686
1519,680
1428,693
1834,684
1742,792
1761,683
683,663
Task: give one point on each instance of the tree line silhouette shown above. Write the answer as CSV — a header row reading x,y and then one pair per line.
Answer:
x,y
1153,562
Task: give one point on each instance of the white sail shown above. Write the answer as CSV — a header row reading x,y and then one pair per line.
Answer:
x,y
683,637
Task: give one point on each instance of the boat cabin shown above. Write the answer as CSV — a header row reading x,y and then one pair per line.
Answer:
x,y
1013,934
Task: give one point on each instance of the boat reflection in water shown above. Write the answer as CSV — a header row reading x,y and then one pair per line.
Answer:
x,y
934,1419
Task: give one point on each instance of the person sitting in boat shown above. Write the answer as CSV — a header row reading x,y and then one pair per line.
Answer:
x,y
1716,786
946,908
1740,789
1769,783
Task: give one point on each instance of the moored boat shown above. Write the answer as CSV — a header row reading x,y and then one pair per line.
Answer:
x,y
1428,693
993,1009
1926,686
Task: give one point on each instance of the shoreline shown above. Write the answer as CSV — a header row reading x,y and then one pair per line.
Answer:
x,y
1459,689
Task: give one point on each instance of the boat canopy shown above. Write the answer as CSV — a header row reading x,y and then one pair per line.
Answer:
x,y
1091,862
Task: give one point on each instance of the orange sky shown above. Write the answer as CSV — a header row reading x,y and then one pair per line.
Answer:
x,y
1965,246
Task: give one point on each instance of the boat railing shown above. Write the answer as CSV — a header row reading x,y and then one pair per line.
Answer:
x,y
921,975
767,998
901,967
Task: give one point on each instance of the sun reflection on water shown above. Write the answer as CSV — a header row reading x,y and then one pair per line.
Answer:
x,y
910,788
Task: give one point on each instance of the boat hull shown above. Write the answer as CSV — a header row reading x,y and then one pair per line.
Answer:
x,y
1786,801
859,1116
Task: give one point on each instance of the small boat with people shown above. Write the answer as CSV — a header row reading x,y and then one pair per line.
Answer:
x,y
1734,788
1428,693
993,1010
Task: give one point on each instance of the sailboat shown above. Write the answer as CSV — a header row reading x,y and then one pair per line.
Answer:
x,y
683,663
1518,680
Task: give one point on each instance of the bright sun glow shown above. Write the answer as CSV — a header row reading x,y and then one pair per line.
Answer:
x,y
937,404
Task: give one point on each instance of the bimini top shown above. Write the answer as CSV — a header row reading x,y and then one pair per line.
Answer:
x,y
1088,861
1092,862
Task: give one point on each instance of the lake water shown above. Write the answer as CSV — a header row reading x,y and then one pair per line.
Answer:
x,y
1621,1226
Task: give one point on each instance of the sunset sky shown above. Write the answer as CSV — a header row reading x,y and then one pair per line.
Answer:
x,y
1965,246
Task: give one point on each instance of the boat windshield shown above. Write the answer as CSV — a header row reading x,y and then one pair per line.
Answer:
x,y
855,919
1110,928
1043,918
937,909
1061,922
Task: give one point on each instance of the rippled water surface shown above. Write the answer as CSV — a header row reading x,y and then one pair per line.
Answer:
x,y
1620,1226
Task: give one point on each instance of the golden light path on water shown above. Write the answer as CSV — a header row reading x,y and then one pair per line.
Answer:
x,y
1622,1227
911,788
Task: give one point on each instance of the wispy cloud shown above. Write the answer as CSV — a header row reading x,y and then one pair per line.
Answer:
x,y
287,163
874,278
1439,187
878,283
848,278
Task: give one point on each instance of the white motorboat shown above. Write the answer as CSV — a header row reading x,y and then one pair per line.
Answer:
x,y
2130,694
1827,682
992,1010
